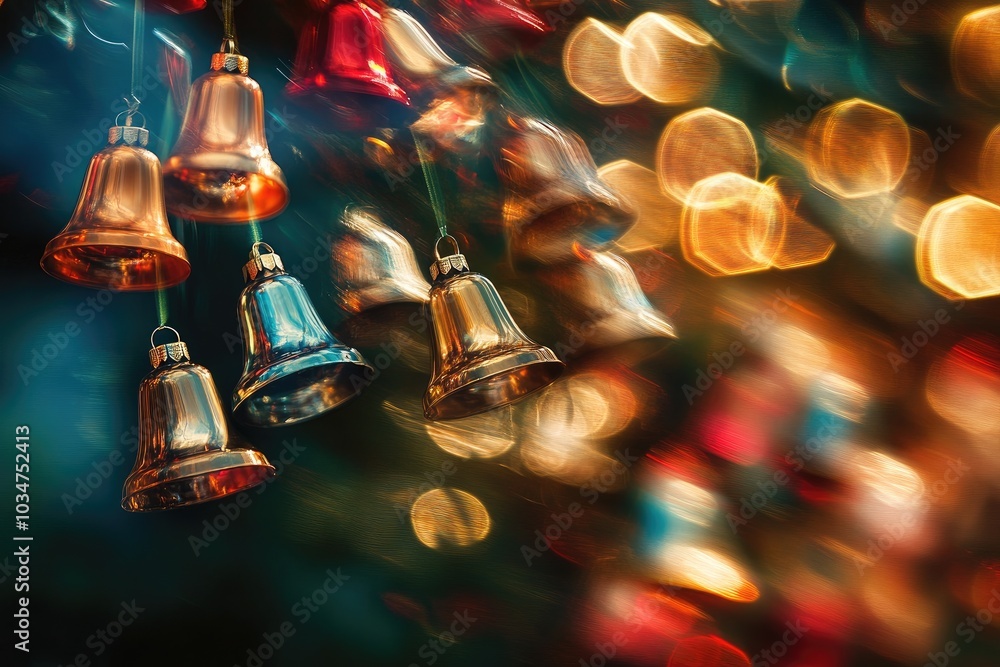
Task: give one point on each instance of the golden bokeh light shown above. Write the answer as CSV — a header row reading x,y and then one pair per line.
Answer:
x,y
592,63
732,224
857,149
669,58
958,248
975,60
708,570
481,436
449,517
702,143
658,217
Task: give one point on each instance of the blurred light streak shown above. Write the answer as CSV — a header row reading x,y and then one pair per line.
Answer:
x,y
446,517
592,63
658,217
958,248
669,58
481,436
963,386
707,651
835,159
732,224
703,143
705,569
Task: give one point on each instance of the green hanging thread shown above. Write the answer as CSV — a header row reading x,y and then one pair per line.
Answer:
x,y
161,306
433,187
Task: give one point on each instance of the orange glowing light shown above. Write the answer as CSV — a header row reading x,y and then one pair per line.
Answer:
x,y
707,651
964,387
732,224
446,517
958,248
669,58
857,149
704,569
658,217
481,436
975,61
702,143
592,63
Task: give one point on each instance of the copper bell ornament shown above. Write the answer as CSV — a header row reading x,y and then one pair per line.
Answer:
x,y
184,454
554,197
603,306
294,369
480,358
119,237
220,169
342,63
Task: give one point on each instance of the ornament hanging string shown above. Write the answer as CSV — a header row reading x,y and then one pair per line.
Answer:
x,y
161,306
138,29
228,25
433,187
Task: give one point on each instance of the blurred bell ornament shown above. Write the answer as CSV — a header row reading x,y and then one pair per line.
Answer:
x,y
184,448
220,169
118,237
604,307
493,27
480,358
341,63
554,197
178,6
294,369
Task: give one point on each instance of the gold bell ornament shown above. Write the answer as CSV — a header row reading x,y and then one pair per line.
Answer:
x,y
480,358
184,447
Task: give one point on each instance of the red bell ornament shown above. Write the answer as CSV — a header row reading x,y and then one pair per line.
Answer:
x,y
342,66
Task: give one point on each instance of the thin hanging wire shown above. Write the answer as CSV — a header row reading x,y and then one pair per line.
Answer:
x,y
255,233
138,30
433,187
161,306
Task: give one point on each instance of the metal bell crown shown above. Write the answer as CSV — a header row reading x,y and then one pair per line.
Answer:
x,y
294,368
480,358
184,454
118,236
376,265
220,169
342,61
554,197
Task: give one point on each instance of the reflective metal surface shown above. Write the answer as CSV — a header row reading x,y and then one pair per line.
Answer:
x,y
118,237
342,63
480,358
603,306
294,369
554,197
374,265
220,169
184,455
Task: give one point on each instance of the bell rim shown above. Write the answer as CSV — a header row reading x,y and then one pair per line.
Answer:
x,y
546,357
251,386
144,481
267,169
170,255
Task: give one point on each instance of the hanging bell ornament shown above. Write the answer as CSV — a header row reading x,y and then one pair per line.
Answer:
x,y
554,197
220,169
184,454
294,369
341,63
119,237
480,358
604,307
